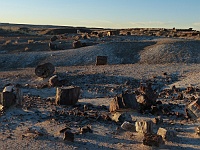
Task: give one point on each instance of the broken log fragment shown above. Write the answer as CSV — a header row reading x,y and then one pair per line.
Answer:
x,y
193,109
144,126
166,134
146,97
121,117
7,99
53,46
128,126
123,101
54,81
153,140
85,129
101,60
197,130
45,70
77,44
69,136
67,95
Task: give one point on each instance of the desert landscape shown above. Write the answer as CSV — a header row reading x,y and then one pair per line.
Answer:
x,y
155,72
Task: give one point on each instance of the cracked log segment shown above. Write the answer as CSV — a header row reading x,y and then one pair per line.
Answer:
x,y
123,101
45,70
67,95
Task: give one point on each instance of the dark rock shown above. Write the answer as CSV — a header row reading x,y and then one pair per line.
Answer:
x,y
128,126
193,109
68,136
101,60
157,120
45,70
85,129
153,140
7,99
53,46
77,44
53,38
166,134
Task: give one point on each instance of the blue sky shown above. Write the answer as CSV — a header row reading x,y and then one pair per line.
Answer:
x,y
103,13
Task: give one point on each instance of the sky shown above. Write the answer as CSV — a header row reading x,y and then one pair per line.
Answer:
x,y
103,13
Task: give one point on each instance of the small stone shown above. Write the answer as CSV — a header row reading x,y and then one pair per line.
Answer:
x,y
128,126
166,134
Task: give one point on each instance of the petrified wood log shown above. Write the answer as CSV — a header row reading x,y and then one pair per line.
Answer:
x,y
68,136
101,60
144,126
153,140
123,101
67,95
7,99
193,109
45,70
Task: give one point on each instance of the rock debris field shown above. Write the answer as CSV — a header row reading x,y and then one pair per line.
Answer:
x,y
147,95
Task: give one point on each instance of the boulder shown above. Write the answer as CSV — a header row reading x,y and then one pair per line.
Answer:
x,y
121,117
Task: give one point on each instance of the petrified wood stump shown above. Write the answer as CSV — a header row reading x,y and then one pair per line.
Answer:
x,y
44,70
153,140
123,101
7,99
67,95
101,60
